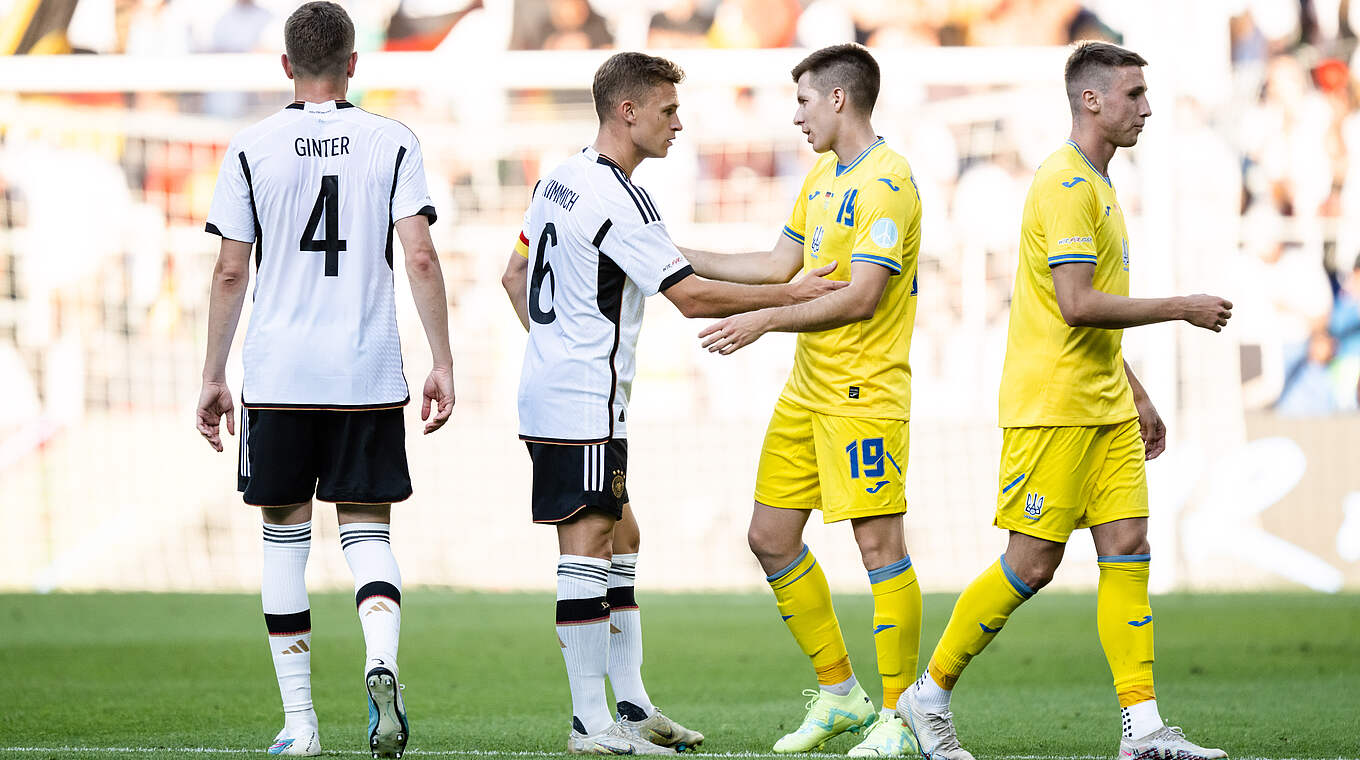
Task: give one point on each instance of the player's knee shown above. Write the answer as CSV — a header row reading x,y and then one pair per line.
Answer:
x,y
1037,574
767,544
627,543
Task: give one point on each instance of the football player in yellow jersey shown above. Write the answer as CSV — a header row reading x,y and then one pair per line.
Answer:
x,y
1077,425
837,440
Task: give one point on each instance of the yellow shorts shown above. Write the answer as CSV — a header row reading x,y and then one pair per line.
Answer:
x,y
845,466
1055,480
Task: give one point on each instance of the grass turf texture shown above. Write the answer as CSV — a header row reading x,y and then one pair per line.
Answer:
x,y
1261,675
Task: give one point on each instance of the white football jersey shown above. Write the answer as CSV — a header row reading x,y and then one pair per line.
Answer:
x,y
597,247
317,188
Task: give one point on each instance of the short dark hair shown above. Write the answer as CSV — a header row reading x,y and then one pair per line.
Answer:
x,y
319,38
629,76
849,67
1090,65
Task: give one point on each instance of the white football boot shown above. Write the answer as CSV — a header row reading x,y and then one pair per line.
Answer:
x,y
663,732
1166,743
306,743
387,726
615,740
934,732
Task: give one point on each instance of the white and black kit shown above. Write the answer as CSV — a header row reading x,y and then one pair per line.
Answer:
x,y
317,187
597,249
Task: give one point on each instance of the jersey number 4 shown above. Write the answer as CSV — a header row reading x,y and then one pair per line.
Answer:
x,y
327,205
542,271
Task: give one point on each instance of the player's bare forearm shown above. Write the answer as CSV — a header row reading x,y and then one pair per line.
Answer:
x,y
427,286
1151,428
697,297
1082,305
1139,393
231,278
838,309
854,303
514,281
777,265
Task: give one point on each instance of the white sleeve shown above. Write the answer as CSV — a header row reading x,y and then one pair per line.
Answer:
x,y
649,258
232,214
411,196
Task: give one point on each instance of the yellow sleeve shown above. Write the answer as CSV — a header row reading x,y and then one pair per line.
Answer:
x,y
522,245
793,228
1068,215
883,210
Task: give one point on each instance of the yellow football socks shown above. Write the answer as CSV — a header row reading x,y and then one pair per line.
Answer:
x,y
804,602
978,615
1124,622
897,626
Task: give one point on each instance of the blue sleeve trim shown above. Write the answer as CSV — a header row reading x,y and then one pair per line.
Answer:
x,y
1072,258
888,572
882,261
789,569
1125,558
1020,586
791,235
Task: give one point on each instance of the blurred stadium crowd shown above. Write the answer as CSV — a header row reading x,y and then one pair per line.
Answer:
x,y
1283,148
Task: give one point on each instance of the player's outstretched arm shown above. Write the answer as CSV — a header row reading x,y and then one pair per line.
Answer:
x,y
427,288
855,303
776,265
1150,425
1082,305
231,276
697,297
514,281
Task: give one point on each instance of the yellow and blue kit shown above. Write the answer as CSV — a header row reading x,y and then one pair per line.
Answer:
x,y
1071,452
838,437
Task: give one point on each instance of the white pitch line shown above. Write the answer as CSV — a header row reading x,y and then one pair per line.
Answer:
x,y
506,753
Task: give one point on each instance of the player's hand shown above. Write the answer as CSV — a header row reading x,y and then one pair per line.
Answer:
x,y
439,392
1150,427
213,402
734,332
814,285
1209,312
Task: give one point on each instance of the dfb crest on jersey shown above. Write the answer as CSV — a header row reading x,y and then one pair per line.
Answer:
x,y
616,485
817,239
1034,505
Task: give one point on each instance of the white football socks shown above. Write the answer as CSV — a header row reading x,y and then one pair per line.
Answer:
x,y
288,619
583,632
377,589
932,697
1141,719
625,640
842,688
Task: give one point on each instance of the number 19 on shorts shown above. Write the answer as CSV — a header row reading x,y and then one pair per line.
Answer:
x,y
867,457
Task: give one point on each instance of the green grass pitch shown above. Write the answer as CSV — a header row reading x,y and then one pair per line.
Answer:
x,y
147,675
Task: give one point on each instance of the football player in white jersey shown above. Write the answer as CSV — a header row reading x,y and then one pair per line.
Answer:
x,y
318,189
592,248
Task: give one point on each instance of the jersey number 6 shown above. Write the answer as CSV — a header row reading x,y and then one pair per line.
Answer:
x,y
543,270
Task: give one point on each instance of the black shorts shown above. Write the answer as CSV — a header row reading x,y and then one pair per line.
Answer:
x,y
569,478
287,456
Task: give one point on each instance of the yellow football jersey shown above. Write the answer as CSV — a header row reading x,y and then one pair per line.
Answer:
x,y
1056,375
867,211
